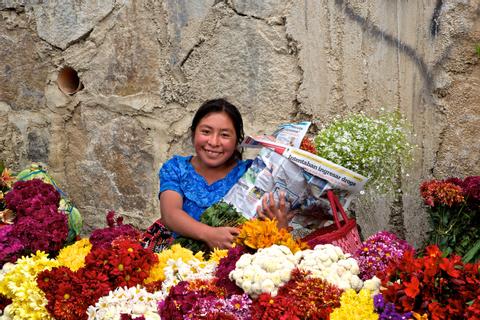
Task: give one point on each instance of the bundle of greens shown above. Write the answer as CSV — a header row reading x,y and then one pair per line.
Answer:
x,y
220,214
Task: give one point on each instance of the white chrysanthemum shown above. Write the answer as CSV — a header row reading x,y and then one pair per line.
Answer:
x,y
134,301
178,270
265,271
329,263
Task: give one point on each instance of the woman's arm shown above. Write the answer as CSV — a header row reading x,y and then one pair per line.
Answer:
x,y
179,221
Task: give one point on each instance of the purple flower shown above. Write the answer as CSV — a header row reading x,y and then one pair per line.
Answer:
x,y
26,197
102,238
378,251
10,247
237,306
387,310
38,225
225,266
471,188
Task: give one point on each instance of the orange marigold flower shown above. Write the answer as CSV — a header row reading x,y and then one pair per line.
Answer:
x,y
6,179
258,234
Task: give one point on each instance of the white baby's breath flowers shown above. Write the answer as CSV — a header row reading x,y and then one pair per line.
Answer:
x,y
374,147
265,271
329,263
134,301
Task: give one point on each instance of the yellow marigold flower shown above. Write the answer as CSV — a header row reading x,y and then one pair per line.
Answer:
x,y
355,306
20,285
73,256
218,254
258,234
175,252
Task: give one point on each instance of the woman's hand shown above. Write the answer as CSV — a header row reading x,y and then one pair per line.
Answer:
x,y
220,237
269,209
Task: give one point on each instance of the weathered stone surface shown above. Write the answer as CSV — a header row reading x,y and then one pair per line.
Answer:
x,y
125,54
109,166
185,18
256,71
61,23
260,9
147,65
23,71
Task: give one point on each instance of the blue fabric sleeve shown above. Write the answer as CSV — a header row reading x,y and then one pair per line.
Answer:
x,y
170,176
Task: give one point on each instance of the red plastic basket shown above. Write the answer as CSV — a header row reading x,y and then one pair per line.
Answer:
x,y
342,233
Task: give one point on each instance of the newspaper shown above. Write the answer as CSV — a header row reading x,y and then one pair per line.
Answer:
x,y
346,181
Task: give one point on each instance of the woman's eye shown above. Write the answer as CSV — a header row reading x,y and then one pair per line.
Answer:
x,y
204,131
226,135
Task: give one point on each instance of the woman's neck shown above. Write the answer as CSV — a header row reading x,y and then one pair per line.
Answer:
x,y
213,174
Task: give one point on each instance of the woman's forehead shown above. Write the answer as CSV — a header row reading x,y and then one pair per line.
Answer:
x,y
219,120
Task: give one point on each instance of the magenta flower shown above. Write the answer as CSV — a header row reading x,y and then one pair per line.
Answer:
x,y
378,251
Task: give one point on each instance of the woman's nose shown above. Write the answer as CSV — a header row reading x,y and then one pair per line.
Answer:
x,y
214,140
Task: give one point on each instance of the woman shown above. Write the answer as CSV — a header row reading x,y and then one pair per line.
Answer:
x,y
189,185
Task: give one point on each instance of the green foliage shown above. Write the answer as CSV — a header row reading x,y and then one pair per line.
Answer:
x,y
220,214
456,230
477,50
454,208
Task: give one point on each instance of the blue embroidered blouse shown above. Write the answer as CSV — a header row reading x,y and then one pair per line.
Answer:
x,y
178,174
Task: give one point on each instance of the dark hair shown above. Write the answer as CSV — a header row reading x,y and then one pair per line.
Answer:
x,y
221,105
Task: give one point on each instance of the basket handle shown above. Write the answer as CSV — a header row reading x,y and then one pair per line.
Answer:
x,y
335,204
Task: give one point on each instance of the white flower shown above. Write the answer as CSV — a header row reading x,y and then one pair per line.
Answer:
x,y
266,270
134,301
178,270
331,265
373,285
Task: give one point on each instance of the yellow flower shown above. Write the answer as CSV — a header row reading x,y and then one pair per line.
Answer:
x,y
74,255
258,234
417,316
355,306
217,254
175,252
20,285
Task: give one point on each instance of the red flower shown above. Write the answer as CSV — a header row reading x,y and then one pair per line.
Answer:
x,y
300,298
437,192
308,145
450,266
443,288
412,288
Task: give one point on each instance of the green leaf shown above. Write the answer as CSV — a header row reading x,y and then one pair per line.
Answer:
x,y
471,255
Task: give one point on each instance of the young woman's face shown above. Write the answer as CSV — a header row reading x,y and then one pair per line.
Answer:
x,y
215,139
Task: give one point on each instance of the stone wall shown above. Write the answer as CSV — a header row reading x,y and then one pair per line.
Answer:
x,y
146,65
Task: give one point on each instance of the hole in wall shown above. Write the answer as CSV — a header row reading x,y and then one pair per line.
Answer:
x,y
68,81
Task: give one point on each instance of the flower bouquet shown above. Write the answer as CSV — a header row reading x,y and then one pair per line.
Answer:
x,y
454,207
375,147
38,224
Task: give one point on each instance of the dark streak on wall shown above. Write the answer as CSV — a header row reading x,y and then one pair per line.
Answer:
x,y
379,34
435,23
